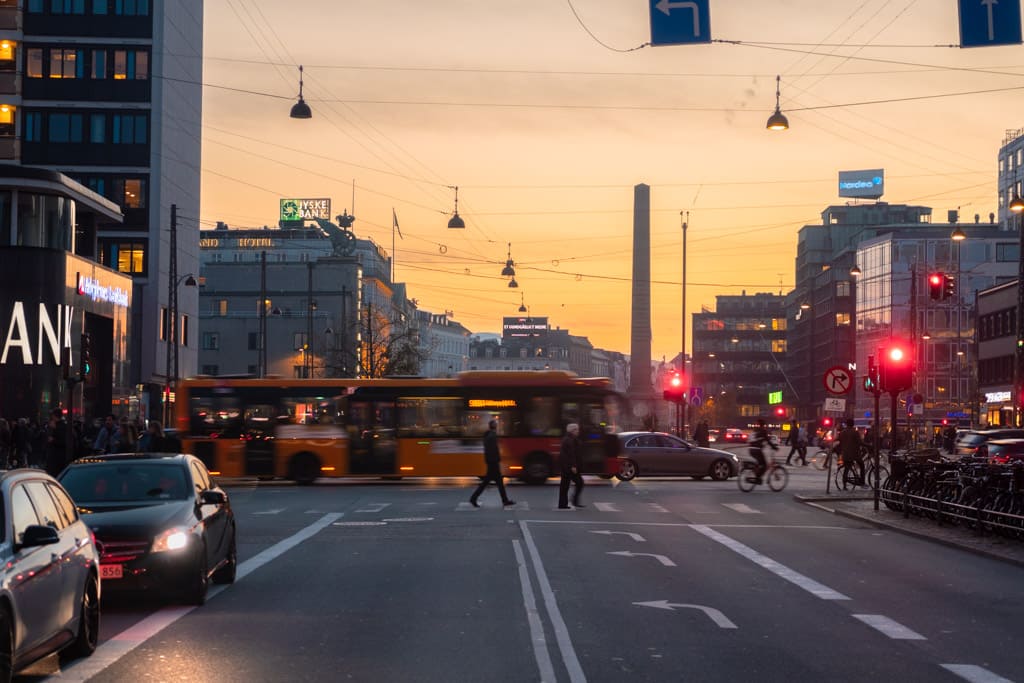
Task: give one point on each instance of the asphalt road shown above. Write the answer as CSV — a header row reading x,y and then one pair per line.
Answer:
x,y
654,580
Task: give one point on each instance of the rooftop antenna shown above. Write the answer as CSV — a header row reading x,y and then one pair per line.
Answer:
x,y
780,283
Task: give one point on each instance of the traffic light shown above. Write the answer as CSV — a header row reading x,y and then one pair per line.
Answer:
x,y
85,355
948,286
936,282
780,411
826,422
896,369
674,390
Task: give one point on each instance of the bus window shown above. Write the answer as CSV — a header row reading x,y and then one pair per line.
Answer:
x,y
260,421
428,416
308,410
214,416
542,416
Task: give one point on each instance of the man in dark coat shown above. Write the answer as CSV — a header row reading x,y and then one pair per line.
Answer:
x,y
56,443
570,463
492,456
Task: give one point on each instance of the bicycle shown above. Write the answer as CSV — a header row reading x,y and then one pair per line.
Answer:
x,y
776,476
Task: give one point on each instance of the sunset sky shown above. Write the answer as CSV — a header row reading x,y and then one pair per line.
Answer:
x,y
545,120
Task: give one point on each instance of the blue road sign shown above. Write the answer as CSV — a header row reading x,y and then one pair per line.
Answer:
x,y
696,395
677,22
989,22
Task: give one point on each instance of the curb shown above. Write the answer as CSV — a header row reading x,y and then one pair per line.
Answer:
x,y
924,535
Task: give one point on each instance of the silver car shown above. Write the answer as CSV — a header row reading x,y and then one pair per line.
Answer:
x,y
659,454
49,579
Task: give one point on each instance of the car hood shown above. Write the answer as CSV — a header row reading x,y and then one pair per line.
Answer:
x,y
134,520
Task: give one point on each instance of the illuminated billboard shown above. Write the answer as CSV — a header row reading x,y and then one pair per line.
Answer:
x,y
868,184
524,327
305,209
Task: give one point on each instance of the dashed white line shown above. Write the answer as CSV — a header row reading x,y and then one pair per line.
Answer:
x,y
742,507
658,508
782,571
607,507
888,627
975,674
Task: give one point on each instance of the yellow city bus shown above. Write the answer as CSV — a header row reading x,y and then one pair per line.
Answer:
x,y
303,429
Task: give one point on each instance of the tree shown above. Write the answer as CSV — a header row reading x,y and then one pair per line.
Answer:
x,y
386,346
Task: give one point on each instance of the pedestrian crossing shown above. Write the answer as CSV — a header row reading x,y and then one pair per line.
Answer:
x,y
597,508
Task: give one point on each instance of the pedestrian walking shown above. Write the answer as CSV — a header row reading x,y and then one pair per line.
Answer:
x,y
570,463
492,456
793,440
21,444
801,445
107,440
702,435
850,444
56,443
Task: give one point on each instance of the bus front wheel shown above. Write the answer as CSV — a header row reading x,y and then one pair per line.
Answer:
x,y
537,468
305,468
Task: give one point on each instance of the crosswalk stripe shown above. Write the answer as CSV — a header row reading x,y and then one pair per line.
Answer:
x,y
889,627
607,507
742,507
975,674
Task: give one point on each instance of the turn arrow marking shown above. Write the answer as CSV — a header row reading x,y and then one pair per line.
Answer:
x,y
715,615
636,537
661,558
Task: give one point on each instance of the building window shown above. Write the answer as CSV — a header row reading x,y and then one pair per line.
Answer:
x,y
7,127
842,319
64,7
254,341
98,71
1007,252
211,341
222,307
34,62
128,257
184,330
163,323
131,8
778,345
299,341
129,129
97,128
100,7
64,128
843,288
66,63
132,65
33,127
210,370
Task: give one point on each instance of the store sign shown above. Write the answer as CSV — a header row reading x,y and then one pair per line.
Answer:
x,y
305,209
774,398
92,288
868,184
209,243
52,330
997,396
255,242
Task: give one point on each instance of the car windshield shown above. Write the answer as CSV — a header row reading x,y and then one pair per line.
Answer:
x,y
122,482
974,439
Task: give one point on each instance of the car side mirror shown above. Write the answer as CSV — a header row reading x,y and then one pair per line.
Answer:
x,y
211,497
37,535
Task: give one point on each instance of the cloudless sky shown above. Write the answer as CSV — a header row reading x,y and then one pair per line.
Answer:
x,y
545,119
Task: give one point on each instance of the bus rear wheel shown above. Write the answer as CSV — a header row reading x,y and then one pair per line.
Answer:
x,y
536,468
305,468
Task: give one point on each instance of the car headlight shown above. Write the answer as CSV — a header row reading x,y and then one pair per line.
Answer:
x,y
170,540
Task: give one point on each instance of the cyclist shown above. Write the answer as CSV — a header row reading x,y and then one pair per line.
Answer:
x,y
850,447
757,444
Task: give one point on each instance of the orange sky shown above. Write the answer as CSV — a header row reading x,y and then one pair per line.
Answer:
x,y
545,128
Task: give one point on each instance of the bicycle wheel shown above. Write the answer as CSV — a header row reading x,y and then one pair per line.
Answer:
x,y
746,480
777,478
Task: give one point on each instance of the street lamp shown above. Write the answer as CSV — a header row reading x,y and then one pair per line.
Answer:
x,y
958,236
777,121
301,110
684,218
171,370
456,220
1017,207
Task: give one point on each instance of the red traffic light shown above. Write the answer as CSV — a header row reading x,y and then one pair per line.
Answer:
x,y
936,283
896,354
780,411
676,380
826,422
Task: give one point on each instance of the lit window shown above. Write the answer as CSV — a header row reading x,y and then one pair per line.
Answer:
x,y
34,63
222,307
778,346
7,55
7,120
120,65
134,194
129,257
842,319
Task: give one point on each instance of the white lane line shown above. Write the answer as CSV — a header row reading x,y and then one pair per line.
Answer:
x,y
888,627
275,511
742,507
540,643
780,570
607,507
374,507
975,674
569,659
111,651
657,508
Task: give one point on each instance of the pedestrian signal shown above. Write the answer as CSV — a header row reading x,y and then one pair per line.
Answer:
x,y
85,355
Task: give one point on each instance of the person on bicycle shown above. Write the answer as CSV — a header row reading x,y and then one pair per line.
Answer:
x,y
757,444
850,446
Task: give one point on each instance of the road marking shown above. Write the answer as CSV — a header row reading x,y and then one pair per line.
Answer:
x,y
975,674
408,519
374,507
780,570
109,652
626,553
742,507
716,615
607,507
657,508
569,658
887,626
359,523
636,537
275,511
540,643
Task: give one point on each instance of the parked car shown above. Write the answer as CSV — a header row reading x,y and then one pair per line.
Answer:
x,y
160,522
658,454
49,582
1002,451
735,436
968,444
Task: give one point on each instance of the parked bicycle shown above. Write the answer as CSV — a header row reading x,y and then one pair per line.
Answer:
x,y
776,476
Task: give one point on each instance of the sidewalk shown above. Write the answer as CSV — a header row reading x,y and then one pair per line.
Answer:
x,y
863,508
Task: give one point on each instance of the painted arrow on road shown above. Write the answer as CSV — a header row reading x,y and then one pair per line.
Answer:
x,y
636,537
661,558
716,615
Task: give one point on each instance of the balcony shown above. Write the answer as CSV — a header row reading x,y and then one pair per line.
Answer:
x,y
10,149
10,17
9,82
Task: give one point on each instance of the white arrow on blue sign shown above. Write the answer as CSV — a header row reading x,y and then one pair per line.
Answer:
x,y
696,396
989,22
678,22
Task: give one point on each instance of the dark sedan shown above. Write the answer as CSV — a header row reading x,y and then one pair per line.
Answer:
x,y
160,522
659,454
49,574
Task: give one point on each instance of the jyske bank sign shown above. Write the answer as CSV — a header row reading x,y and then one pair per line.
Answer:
x,y
305,209
37,339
